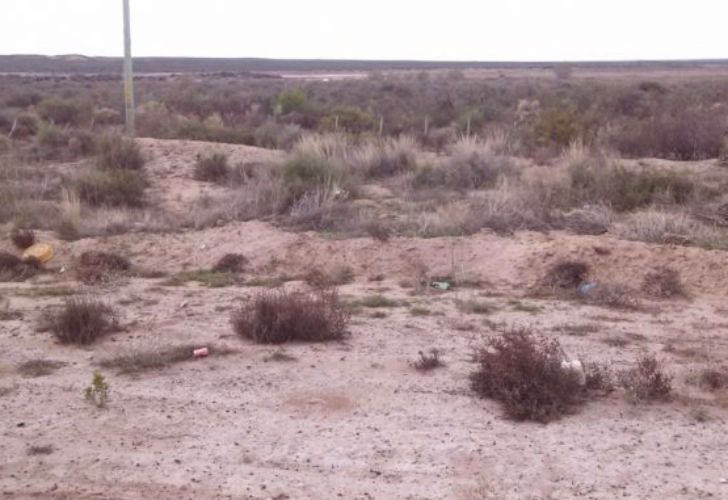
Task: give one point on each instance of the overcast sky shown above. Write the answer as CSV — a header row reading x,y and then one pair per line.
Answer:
x,y
518,30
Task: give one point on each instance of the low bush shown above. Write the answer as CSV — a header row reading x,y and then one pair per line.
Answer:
x,y
81,321
626,190
119,153
428,361
613,296
472,164
97,267
386,157
230,263
714,379
663,283
526,375
113,188
307,173
212,168
566,275
13,268
274,317
63,111
22,238
647,380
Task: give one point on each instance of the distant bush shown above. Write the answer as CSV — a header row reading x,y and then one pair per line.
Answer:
x,y
25,125
681,135
387,157
63,111
119,153
212,168
349,119
626,190
274,317
290,101
111,187
51,139
526,374
557,126
81,321
647,380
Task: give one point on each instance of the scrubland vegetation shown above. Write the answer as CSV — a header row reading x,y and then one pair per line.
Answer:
x,y
493,218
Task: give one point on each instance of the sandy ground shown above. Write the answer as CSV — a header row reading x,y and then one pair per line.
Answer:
x,y
354,419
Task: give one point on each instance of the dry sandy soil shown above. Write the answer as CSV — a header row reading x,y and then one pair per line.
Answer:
x,y
354,419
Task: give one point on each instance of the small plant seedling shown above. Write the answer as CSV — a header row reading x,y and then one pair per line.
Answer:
x,y
98,392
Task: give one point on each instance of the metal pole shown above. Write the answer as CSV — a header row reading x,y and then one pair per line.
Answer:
x,y
128,73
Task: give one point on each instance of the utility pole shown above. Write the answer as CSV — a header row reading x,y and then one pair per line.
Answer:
x,y
128,73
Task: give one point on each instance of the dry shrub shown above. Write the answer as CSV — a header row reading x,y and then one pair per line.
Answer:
x,y
525,374
714,379
612,295
212,168
81,321
96,267
274,317
660,226
663,283
230,263
39,367
119,153
566,275
379,230
138,359
428,361
111,187
13,268
647,380
22,238
386,157
334,275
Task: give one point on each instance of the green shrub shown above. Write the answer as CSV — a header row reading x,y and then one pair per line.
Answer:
x,y
347,118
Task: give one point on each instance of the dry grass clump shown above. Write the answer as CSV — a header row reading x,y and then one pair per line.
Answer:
x,y
212,168
22,238
96,267
668,227
39,367
647,380
612,295
81,321
386,157
428,361
473,164
111,187
119,153
13,268
275,317
663,283
525,374
141,359
230,263
334,275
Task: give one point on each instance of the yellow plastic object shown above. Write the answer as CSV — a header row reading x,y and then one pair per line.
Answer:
x,y
41,251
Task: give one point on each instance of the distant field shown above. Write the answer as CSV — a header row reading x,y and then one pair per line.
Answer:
x,y
83,64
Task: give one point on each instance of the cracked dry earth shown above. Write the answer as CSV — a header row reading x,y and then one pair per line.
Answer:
x,y
353,419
